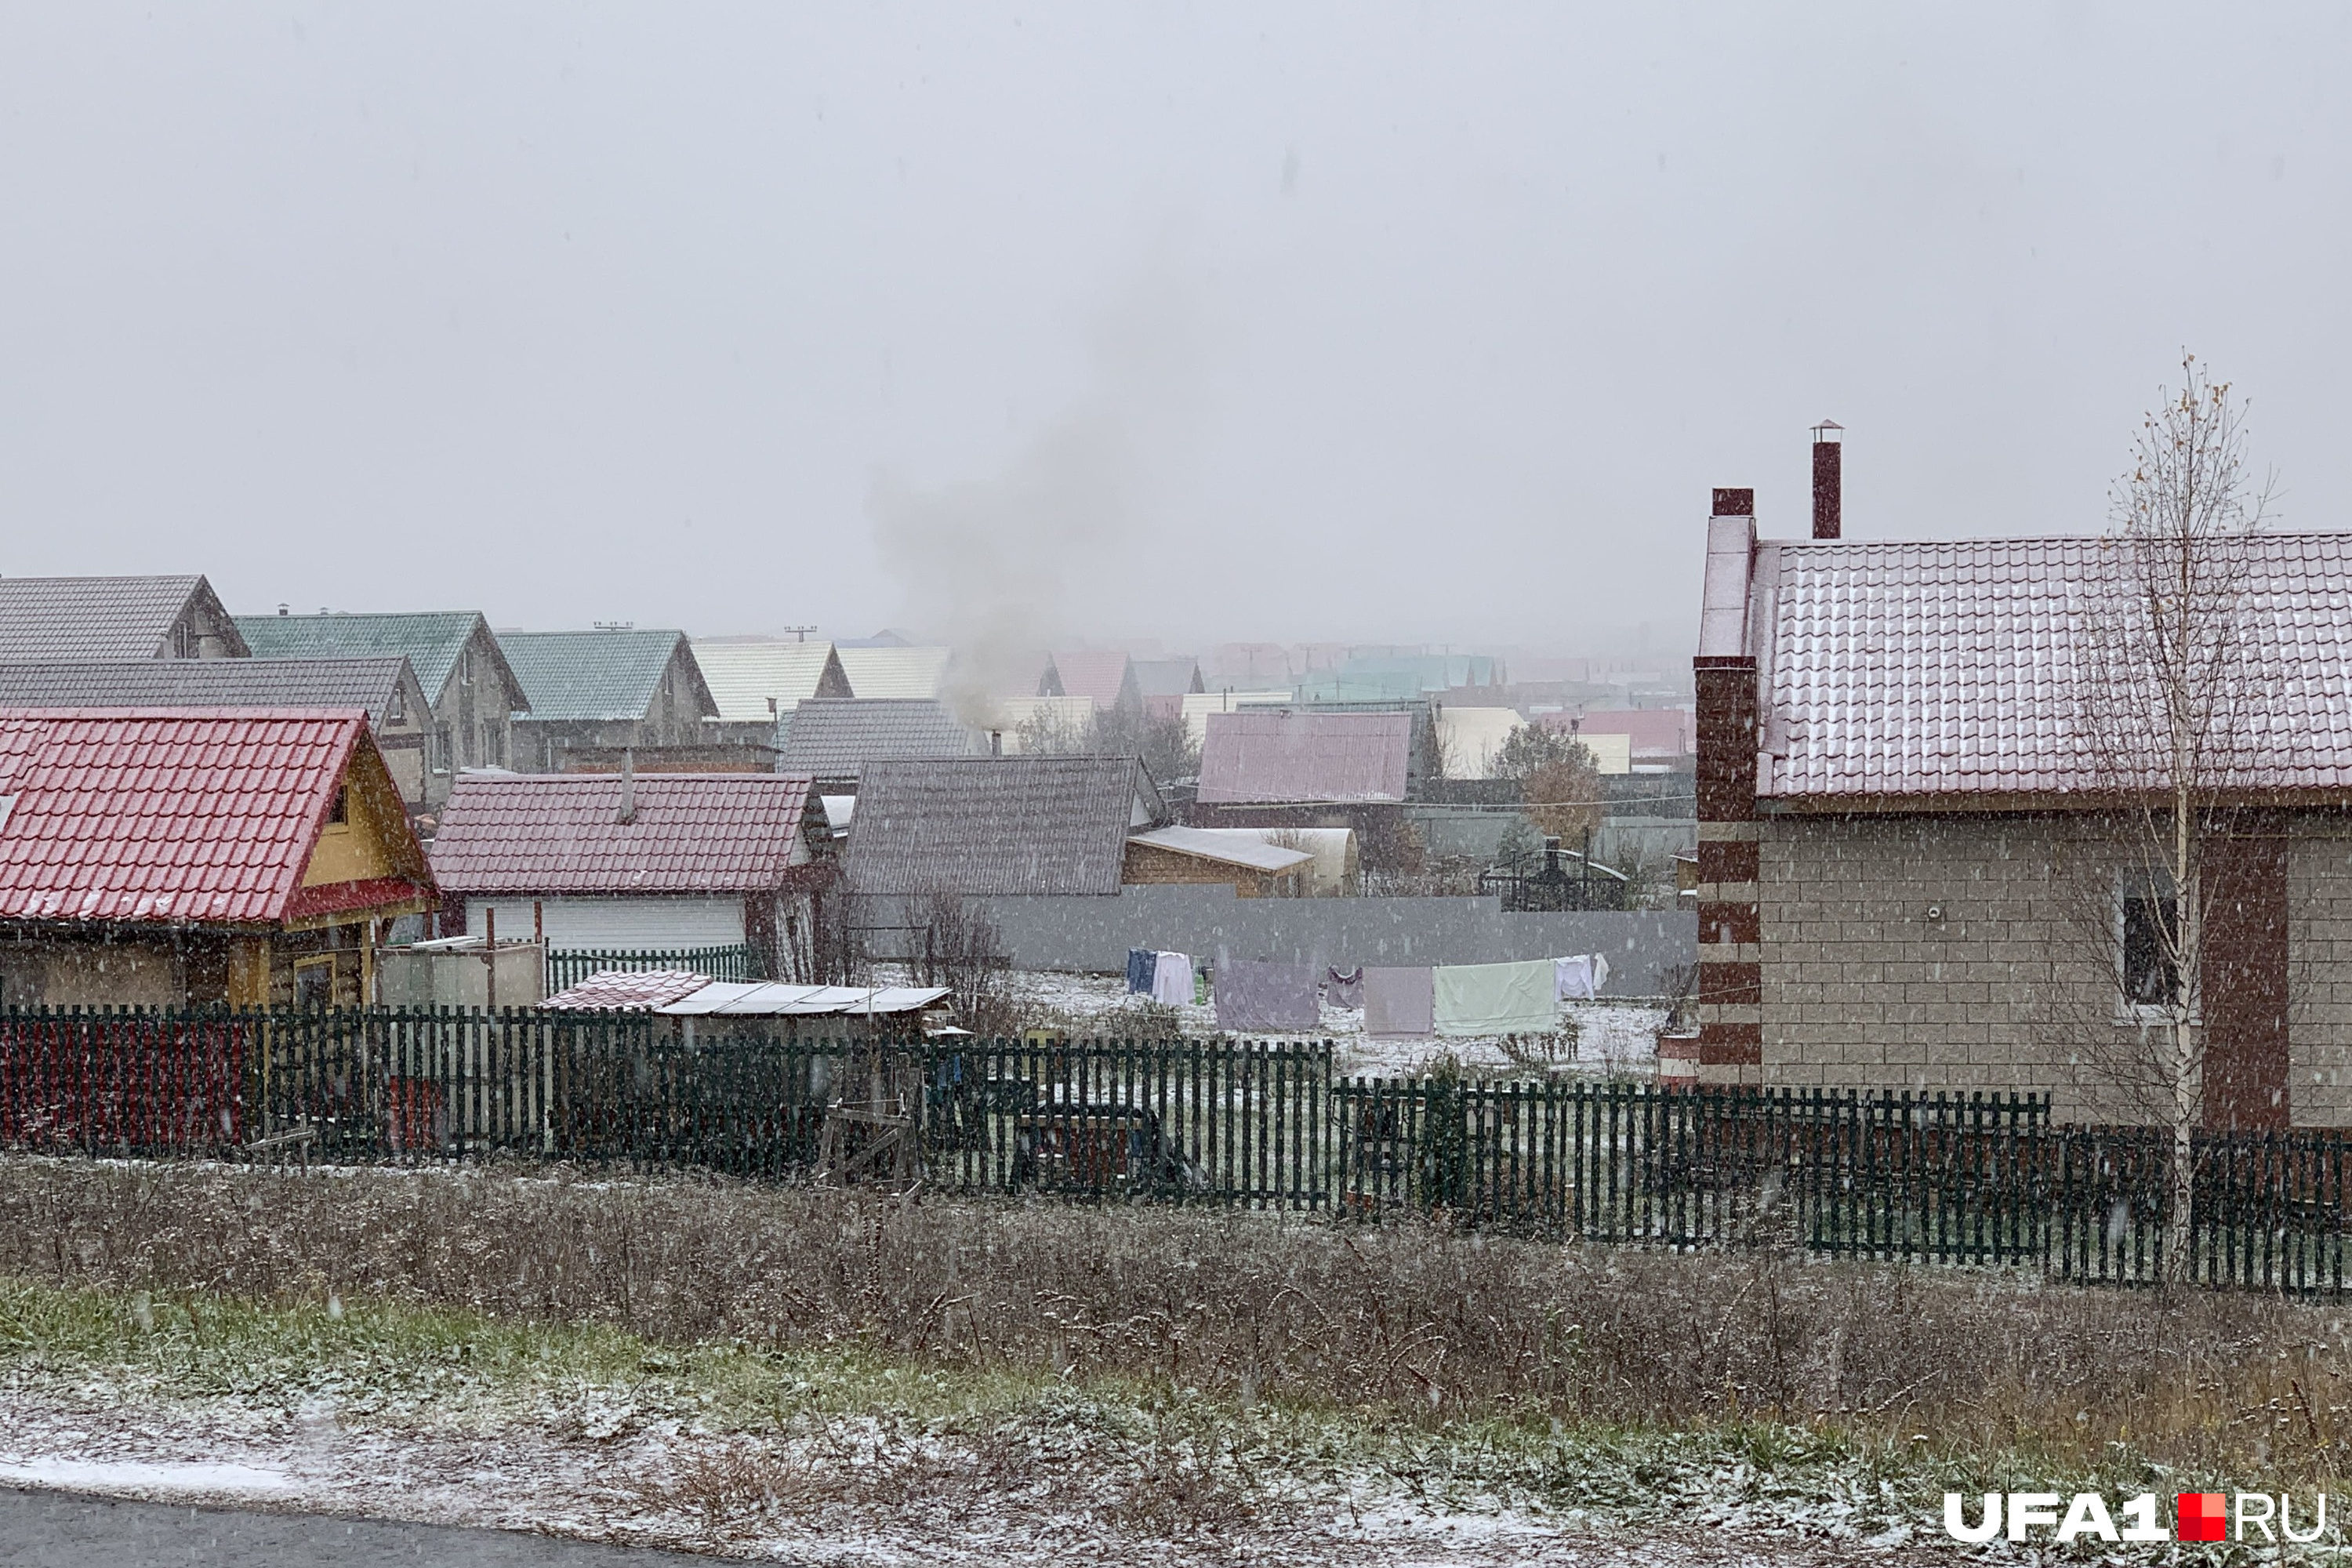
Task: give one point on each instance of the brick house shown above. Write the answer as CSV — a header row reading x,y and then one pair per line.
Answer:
x,y
1900,837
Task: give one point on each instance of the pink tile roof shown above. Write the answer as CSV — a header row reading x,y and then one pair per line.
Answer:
x,y
1093,672
1271,755
1920,669
560,832
165,816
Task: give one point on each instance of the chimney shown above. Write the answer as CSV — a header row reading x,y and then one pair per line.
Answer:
x,y
996,742
1829,485
628,812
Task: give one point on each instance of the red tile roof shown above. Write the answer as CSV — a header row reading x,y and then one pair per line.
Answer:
x,y
561,833
166,815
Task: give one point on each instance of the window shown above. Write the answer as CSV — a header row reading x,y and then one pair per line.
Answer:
x,y
440,748
2152,982
397,708
314,982
339,811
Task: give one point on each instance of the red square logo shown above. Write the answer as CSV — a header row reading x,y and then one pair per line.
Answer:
x,y
2204,1516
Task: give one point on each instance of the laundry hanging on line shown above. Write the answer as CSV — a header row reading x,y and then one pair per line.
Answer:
x,y
1496,998
1582,977
1398,1002
1140,962
1172,978
1261,998
1347,986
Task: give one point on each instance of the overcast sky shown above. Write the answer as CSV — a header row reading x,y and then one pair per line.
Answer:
x,y
1411,322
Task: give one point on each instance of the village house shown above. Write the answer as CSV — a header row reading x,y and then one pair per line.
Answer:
x,y
597,694
1164,683
1907,870
1105,677
171,858
386,688
639,863
759,681
473,690
895,669
88,618
996,826
833,741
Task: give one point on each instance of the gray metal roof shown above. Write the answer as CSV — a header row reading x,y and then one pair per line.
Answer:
x,y
98,617
1275,755
1167,677
836,739
367,683
996,825
599,675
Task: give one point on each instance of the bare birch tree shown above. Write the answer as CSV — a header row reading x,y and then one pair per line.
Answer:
x,y
2167,721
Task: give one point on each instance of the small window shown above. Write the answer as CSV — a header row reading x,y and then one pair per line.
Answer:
x,y
440,748
2150,978
314,982
397,708
339,811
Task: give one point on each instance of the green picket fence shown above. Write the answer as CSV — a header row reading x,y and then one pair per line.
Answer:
x,y
1983,1179
567,967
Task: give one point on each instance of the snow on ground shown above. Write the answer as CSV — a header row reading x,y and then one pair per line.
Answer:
x,y
656,1478
1613,1039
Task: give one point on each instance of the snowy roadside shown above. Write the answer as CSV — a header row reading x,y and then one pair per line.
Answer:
x,y
824,1458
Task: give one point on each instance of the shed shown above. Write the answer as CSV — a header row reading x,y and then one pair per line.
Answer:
x,y
700,1011
1253,868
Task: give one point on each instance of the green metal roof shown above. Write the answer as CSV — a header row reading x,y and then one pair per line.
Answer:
x,y
432,640
598,675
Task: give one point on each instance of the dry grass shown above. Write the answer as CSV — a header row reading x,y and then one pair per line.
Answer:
x,y
1405,1324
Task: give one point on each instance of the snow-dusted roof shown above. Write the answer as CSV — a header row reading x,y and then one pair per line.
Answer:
x,y
1901,669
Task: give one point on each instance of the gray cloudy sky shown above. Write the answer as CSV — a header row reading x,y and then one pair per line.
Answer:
x,y
1198,322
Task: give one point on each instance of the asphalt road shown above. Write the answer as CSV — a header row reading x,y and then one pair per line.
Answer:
x,y
63,1530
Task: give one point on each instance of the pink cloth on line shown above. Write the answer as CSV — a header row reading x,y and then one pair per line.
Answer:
x,y
1398,1002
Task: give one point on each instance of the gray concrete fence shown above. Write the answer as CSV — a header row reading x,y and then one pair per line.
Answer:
x,y
1093,934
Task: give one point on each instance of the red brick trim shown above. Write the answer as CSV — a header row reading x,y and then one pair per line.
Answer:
x,y
1722,985
1729,860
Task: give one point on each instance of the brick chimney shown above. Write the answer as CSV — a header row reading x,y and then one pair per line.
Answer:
x,y
1828,477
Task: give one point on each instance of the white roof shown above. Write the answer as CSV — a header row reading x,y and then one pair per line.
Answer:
x,y
1068,717
1198,705
1230,848
893,671
773,998
742,676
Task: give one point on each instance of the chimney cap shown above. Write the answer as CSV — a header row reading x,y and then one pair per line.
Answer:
x,y
1821,431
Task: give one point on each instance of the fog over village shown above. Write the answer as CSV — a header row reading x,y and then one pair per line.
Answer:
x,y
1376,784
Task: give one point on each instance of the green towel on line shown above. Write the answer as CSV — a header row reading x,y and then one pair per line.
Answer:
x,y
1497,998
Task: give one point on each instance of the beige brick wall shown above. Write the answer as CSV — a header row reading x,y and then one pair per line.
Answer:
x,y
1936,952
2319,975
